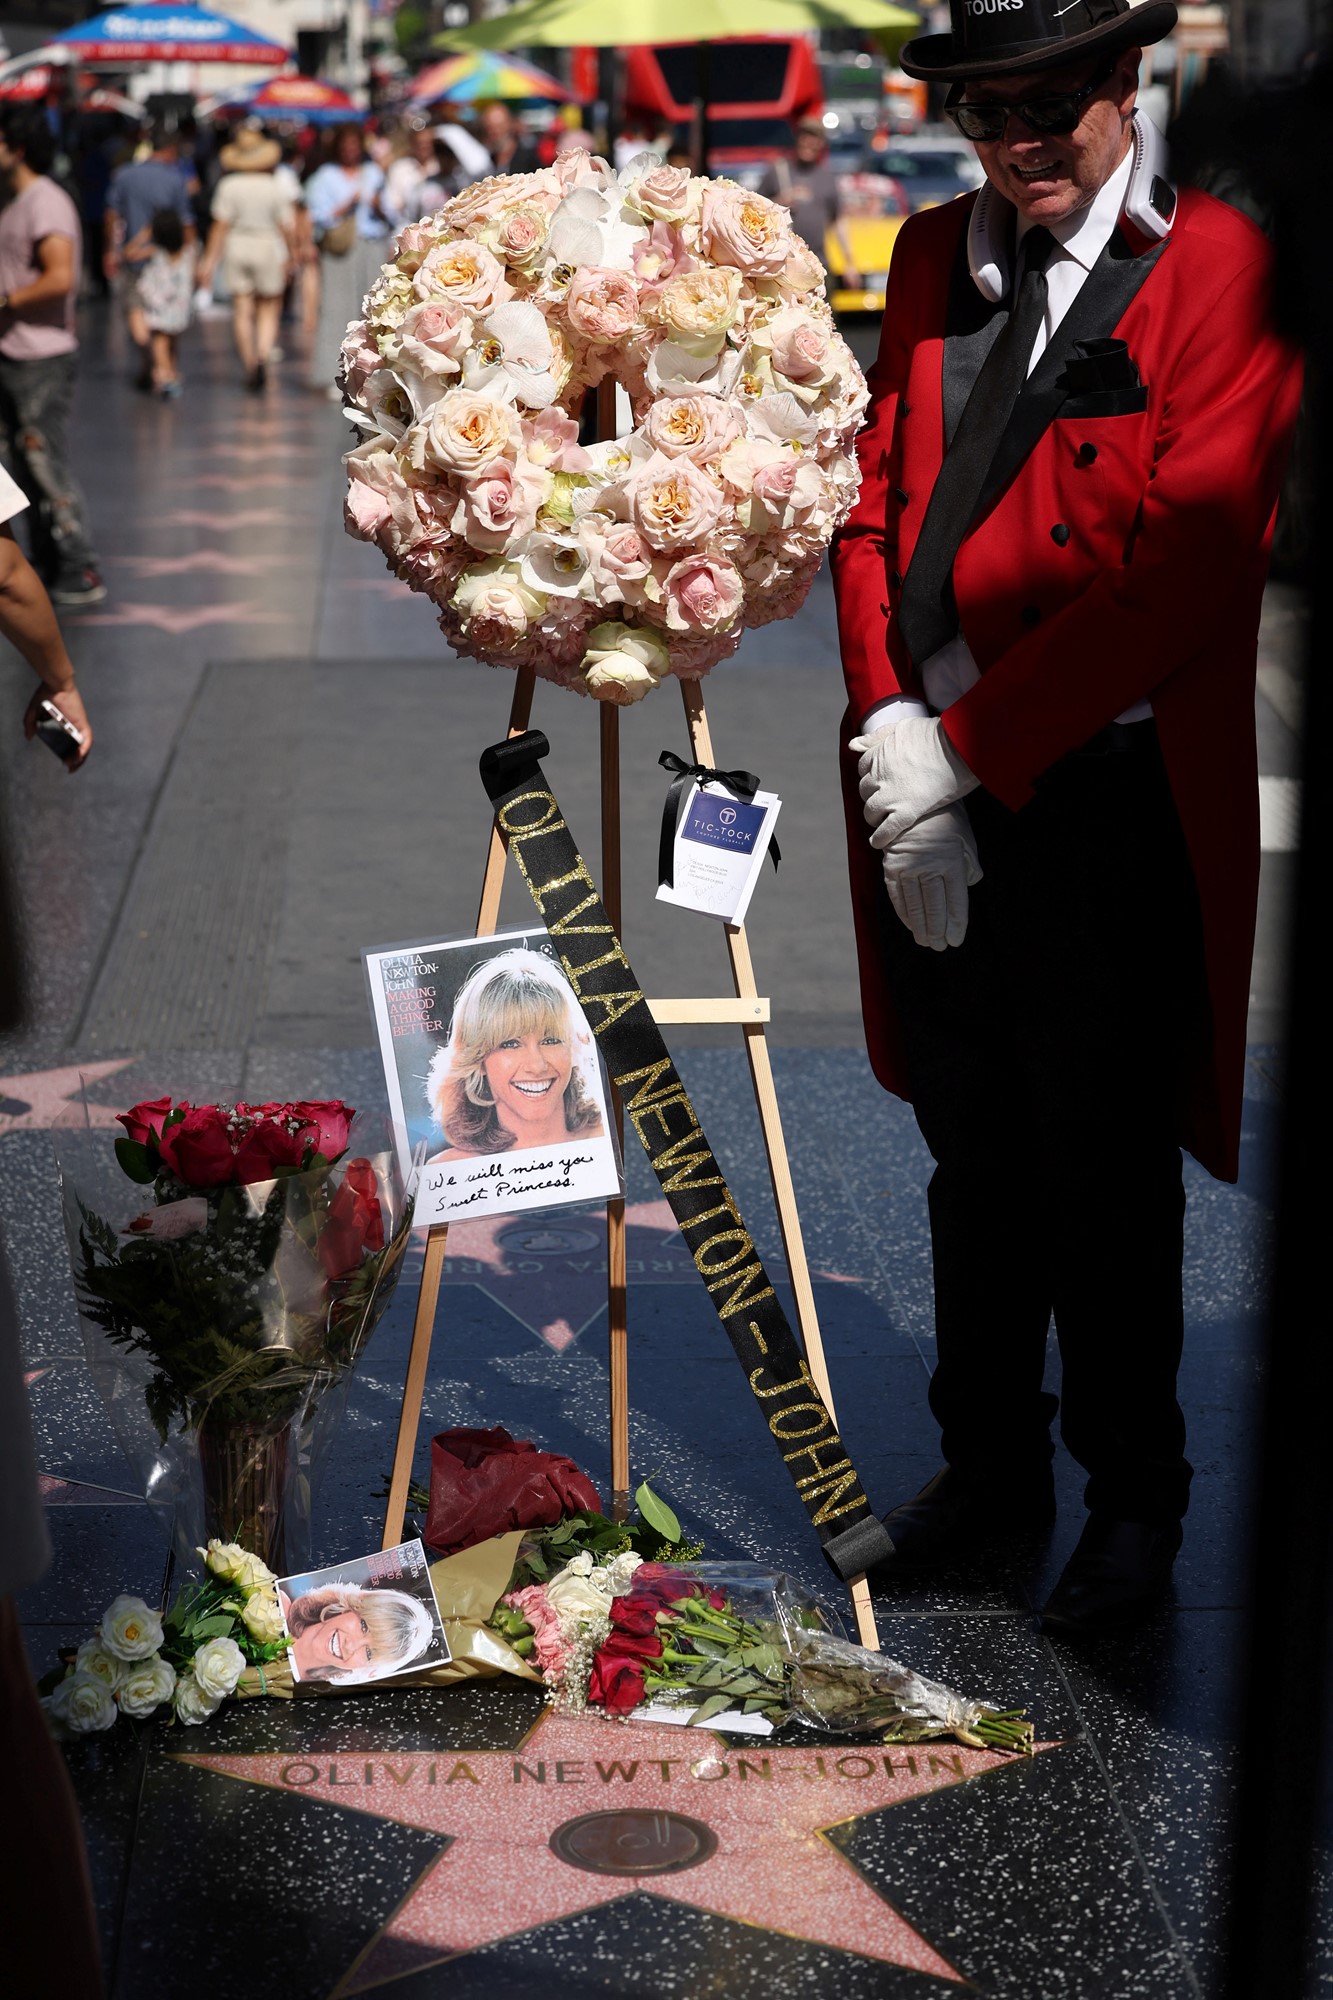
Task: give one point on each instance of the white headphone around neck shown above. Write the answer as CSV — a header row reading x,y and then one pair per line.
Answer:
x,y
1150,204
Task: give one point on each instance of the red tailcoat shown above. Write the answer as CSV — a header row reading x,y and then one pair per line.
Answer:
x,y
1154,590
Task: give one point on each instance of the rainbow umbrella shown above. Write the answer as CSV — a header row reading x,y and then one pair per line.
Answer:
x,y
162,31
300,100
471,78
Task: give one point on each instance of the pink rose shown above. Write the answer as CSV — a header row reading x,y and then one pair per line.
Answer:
x,y
621,564
746,230
702,595
672,503
434,337
667,194
358,359
411,245
697,427
521,233
498,505
788,491
602,305
367,512
802,350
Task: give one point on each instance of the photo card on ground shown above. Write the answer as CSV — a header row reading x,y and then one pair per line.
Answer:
x,y
364,1620
494,1080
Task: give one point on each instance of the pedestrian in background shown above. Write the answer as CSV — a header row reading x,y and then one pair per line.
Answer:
x,y
41,254
503,139
411,175
137,192
254,237
808,186
345,198
166,292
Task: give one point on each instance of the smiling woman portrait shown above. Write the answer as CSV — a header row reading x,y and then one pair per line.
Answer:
x,y
519,1069
343,1633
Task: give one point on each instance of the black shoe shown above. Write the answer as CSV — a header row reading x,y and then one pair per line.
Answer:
x,y
958,1512
1115,1575
84,586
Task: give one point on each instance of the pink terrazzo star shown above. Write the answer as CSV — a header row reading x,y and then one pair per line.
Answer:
x,y
51,1100
735,1828
163,618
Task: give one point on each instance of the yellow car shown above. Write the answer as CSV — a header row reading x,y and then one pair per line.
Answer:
x,y
871,238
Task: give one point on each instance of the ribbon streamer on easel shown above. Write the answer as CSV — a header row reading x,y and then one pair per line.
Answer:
x,y
655,1101
743,783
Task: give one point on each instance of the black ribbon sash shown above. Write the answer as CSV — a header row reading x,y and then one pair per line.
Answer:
x,y
656,1104
743,783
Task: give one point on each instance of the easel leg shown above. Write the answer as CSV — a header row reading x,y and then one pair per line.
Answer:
x,y
616,1291
423,1324
779,1167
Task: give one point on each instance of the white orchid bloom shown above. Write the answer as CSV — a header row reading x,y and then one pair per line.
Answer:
x,y
590,228
394,400
554,564
674,371
782,420
514,361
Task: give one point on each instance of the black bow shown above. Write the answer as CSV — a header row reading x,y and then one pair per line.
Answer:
x,y
743,783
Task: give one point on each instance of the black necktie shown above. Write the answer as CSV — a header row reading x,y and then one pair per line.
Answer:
x,y
927,614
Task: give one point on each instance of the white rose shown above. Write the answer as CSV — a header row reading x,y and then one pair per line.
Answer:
x,y
94,1658
217,1666
698,306
146,1686
83,1704
621,1572
262,1618
622,664
575,1598
236,1565
190,1704
129,1629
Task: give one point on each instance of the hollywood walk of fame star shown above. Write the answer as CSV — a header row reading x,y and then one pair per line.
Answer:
x,y
585,1812
163,618
43,1100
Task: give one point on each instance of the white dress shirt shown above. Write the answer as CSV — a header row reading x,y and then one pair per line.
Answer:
x,y
1080,239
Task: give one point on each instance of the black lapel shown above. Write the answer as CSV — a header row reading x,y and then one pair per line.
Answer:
x,y
1096,312
971,328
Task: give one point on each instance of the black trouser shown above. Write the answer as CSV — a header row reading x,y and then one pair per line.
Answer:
x,y
1046,1056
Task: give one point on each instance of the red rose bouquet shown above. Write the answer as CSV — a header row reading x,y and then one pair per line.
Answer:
x,y
229,1305
726,1643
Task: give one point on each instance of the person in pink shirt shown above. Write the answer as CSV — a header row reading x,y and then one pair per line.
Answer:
x,y
40,261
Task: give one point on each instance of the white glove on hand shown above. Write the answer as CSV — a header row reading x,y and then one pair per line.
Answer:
x,y
928,872
909,769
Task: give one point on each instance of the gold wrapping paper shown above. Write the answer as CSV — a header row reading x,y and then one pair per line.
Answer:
x,y
467,1587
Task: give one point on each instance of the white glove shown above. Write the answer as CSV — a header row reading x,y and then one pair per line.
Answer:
x,y
928,872
909,769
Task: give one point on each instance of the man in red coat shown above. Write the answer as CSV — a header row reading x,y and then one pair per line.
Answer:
x,y
1048,600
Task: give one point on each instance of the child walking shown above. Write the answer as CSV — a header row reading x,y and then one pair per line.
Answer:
x,y
166,291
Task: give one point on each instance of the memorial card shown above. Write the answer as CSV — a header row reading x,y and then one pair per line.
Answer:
x,y
495,1084
721,841
364,1620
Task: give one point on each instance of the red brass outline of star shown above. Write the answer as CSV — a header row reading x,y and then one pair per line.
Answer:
x,y
499,1879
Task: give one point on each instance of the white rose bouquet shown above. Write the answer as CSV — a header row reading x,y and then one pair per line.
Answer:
x,y
605,568
189,1661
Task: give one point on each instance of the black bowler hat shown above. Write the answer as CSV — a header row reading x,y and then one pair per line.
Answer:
x,y
1006,37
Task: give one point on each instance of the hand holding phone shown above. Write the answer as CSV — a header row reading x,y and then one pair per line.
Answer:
x,y
62,725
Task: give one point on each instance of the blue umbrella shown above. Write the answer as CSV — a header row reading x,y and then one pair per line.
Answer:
x,y
161,31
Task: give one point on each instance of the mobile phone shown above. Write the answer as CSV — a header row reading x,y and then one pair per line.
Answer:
x,y
58,733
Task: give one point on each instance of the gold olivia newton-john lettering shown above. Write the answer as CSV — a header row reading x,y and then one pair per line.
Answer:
x,y
658,1106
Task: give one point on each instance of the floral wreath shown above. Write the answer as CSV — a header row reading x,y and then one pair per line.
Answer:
x,y
607,566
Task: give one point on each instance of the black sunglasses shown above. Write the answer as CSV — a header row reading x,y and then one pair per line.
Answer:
x,y
1060,112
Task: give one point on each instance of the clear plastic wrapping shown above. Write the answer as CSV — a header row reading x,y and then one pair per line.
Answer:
x,y
222,1326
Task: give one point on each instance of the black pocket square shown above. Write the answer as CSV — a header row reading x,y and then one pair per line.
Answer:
x,y
1100,367
1105,403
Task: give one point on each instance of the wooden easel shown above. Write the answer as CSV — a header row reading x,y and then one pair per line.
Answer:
x,y
749,1012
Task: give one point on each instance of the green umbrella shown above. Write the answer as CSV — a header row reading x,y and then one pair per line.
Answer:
x,y
563,24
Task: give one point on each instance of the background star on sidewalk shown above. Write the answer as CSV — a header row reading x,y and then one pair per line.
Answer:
x,y
164,619
766,1810
50,1098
